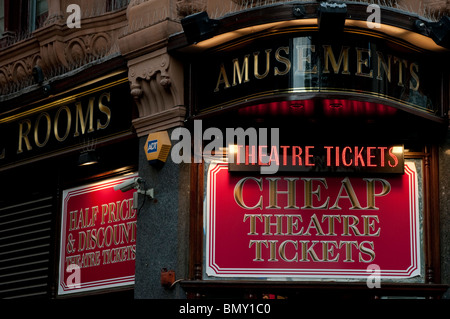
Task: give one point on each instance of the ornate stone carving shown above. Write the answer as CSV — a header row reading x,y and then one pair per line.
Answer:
x,y
155,83
18,74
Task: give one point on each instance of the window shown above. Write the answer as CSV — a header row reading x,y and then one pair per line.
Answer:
x,y
38,14
2,17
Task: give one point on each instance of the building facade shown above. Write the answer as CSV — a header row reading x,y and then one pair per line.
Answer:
x,y
237,149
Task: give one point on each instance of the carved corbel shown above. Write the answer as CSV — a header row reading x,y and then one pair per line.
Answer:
x,y
156,84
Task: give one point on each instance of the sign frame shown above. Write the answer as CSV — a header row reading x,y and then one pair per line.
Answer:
x,y
70,279
213,270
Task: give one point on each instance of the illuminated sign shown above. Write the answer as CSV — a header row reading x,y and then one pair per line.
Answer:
x,y
315,158
94,113
355,66
311,227
98,237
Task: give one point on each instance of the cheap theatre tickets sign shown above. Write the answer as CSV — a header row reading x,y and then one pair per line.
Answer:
x,y
98,237
327,227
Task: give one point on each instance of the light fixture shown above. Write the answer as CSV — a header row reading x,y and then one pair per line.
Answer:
x,y
87,158
198,27
38,77
335,105
438,31
296,105
331,17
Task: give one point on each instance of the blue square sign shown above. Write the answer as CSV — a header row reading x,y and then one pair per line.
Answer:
x,y
152,146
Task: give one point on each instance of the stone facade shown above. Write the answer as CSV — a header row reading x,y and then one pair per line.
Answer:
x,y
139,32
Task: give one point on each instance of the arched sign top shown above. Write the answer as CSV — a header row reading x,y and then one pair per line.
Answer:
x,y
309,66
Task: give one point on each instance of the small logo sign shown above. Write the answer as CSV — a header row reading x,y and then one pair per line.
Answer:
x,y
152,146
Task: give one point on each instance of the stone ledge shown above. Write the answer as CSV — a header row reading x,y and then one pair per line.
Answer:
x,y
161,121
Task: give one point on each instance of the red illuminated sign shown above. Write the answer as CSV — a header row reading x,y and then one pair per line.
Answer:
x,y
311,227
314,158
98,237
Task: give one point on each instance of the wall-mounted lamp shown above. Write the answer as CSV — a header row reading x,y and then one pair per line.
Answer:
x,y
87,158
198,27
438,31
38,77
331,17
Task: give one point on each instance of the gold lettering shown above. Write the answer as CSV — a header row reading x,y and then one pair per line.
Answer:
x,y
278,224
386,66
242,75
252,222
347,185
370,225
331,219
223,79
257,248
309,192
36,129
309,251
256,64
347,225
360,62
82,120
24,136
291,224
368,251
283,60
329,57
304,59
327,251
282,250
314,223
104,109
273,192
401,63
55,123
414,76
370,183
238,189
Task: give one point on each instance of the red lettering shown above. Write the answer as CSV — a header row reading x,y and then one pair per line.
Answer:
x,y
359,157
328,148
344,156
383,149
248,155
394,157
370,157
262,157
296,152
274,156
285,148
308,156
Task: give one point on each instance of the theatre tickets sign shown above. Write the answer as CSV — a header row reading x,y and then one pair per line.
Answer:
x,y
98,237
310,226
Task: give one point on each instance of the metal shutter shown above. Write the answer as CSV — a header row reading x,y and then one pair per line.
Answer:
x,y
25,244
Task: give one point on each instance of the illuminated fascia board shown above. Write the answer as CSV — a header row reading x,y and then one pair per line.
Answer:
x,y
401,36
